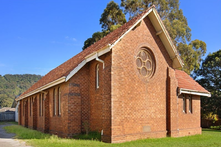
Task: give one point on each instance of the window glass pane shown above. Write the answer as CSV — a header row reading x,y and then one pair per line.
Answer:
x,y
97,76
184,103
59,101
42,104
39,104
54,100
190,104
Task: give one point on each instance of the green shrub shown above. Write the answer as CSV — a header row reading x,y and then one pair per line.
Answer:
x,y
91,136
215,127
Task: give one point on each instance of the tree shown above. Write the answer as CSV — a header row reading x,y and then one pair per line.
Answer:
x,y
95,37
111,19
176,25
192,54
13,85
210,117
209,76
112,15
171,15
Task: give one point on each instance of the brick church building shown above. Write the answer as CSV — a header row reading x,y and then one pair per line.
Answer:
x,y
126,86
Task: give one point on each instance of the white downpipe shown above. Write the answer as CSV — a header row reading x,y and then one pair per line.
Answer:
x,y
99,60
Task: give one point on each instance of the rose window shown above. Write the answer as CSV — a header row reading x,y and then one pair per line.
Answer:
x,y
145,63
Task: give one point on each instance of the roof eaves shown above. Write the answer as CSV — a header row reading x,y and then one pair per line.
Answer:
x,y
166,39
193,92
87,59
51,84
92,56
108,47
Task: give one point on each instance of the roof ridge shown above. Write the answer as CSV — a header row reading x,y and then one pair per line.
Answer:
x,y
133,19
65,68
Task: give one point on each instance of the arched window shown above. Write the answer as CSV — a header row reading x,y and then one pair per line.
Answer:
x,y
30,105
54,101
59,101
184,103
40,106
190,104
97,76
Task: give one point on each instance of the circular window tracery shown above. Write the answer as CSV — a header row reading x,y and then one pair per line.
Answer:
x,y
145,63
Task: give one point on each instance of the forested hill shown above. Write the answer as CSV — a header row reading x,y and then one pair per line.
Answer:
x,y
13,85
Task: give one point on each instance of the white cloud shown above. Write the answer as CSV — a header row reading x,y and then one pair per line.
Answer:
x,y
70,38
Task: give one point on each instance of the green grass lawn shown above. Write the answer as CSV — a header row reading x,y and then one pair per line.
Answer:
x,y
2,123
209,138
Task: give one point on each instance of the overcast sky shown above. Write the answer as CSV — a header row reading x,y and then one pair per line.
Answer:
x,y
38,35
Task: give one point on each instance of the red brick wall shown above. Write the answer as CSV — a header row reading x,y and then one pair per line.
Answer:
x,y
80,102
100,99
34,110
23,112
58,123
88,104
171,105
125,107
189,123
138,107
40,122
30,114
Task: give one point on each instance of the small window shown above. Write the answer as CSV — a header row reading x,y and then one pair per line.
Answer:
x,y
59,101
30,105
23,108
190,104
97,76
184,103
40,104
54,101
42,99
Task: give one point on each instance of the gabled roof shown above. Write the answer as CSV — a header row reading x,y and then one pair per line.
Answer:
x,y
187,85
66,70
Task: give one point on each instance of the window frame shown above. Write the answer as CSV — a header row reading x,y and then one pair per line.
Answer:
x,y
40,104
184,103
59,101
97,76
30,105
42,100
54,102
23,108
190,104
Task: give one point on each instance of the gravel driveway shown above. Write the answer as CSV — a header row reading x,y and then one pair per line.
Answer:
x,y
6,139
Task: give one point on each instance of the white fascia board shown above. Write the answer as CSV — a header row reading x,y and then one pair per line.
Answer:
x,y
131,28
65,79
193,92
75,70
165,38
17,105
51,84
90,57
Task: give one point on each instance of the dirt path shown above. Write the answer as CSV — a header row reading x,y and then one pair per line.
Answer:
x,y
6,139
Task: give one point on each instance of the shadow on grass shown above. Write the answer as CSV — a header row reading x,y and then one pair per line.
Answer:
x,y
211,130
